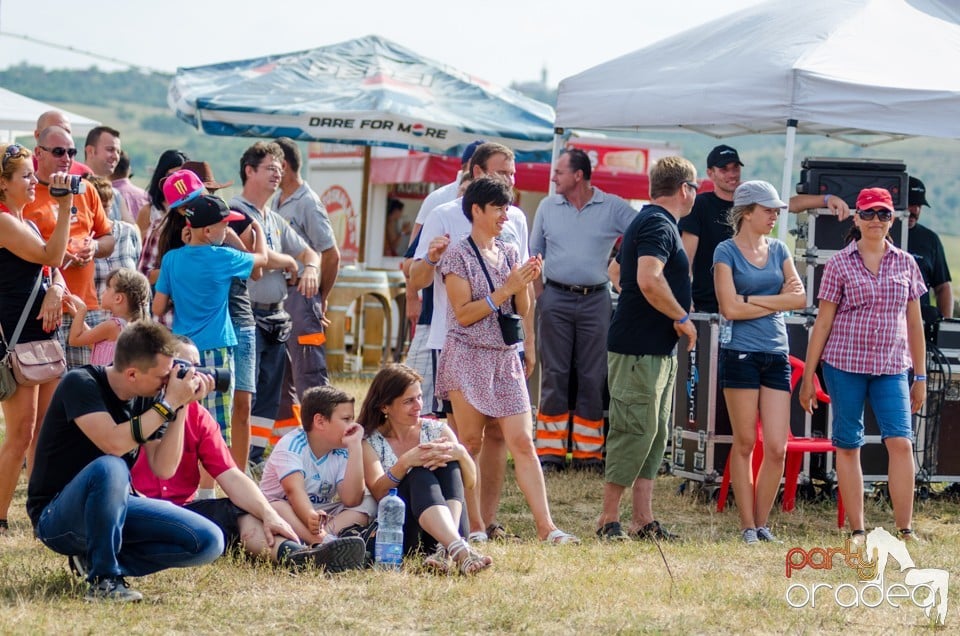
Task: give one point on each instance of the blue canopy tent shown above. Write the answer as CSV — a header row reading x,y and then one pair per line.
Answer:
x,y
369,91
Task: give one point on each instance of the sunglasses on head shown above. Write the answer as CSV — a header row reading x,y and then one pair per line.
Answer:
x,y
59,151
882,214
13,150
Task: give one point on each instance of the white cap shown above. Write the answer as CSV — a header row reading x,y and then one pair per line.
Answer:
x,y
757,192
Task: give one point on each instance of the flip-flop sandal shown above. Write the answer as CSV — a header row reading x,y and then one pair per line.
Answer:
x,y
496,532
439,561
472,563
478,537
559,537
612,531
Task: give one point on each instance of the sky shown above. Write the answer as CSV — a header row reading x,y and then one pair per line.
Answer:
x,y
499,41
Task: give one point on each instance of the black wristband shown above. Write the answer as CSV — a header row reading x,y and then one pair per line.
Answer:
x,y
136,431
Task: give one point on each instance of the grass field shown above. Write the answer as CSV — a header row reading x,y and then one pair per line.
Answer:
x,y
715,584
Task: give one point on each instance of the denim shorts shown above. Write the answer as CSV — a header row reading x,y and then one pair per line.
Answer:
x,y
889,397
753,369
244,359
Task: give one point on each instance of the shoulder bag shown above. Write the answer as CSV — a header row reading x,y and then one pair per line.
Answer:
x,y
511,325
30,363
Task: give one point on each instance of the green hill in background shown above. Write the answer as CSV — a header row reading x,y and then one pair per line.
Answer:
x,y
136,104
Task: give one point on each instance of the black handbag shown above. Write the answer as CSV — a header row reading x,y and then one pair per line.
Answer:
x,y
511,325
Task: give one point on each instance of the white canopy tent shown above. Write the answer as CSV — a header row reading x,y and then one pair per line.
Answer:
x,y
839,68
18,116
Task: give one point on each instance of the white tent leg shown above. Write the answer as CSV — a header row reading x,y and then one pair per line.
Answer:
x,y
787,177
557,147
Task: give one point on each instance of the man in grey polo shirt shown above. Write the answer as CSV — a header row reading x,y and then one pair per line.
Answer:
x,y
574,230
261,168
301,207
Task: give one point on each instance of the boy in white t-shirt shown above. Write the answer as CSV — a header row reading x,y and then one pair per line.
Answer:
x,y
314,476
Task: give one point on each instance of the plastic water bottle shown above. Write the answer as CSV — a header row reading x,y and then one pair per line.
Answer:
x,y
388,552
726,330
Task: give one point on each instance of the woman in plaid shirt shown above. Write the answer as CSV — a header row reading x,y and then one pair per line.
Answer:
x,y
869,334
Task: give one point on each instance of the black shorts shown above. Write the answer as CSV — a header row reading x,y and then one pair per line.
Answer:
x,y
222,512
753,369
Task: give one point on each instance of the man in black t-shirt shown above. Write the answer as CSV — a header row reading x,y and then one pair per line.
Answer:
x,y
79,497
641,360
926,248
706,226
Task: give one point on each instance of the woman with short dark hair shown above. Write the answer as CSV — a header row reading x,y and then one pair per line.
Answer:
x,y
479,371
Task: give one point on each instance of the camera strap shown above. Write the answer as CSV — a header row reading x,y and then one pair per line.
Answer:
x,y
483,266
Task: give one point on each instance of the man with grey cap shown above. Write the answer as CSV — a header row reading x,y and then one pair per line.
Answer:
x,y
925,247
706,226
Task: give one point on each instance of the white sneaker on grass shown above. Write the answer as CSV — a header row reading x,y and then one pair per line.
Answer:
x,y
750,536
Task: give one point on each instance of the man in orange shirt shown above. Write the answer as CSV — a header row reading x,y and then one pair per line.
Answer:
x,y
90,231
57,118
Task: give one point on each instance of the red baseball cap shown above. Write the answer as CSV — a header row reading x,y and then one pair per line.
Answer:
x,y
870,198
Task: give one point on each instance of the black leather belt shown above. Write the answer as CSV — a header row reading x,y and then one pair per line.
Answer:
x,y
583,290
267,306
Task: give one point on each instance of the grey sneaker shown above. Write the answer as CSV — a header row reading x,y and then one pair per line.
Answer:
x,y
340,555
764,534
750,536
112,588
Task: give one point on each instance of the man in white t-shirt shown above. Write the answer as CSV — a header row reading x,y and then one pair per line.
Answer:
x,y
420,356
445,225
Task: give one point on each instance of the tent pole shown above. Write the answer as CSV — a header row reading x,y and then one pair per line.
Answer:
x,y
364,201
787,176
557,147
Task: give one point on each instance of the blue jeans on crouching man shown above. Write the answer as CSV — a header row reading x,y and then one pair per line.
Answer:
x,y
119,533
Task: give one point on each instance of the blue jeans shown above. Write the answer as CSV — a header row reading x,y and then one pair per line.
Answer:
x,y
122,534
889,397
244,359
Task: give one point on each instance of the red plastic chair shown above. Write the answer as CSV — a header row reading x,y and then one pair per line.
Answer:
x,y
796,448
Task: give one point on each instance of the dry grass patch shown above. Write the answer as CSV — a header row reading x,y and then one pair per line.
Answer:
x,y
719,585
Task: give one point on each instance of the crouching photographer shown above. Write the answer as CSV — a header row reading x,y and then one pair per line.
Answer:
x,y
79,497
244,517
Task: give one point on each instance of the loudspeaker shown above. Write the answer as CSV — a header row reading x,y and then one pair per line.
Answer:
x,y
946,453
845,178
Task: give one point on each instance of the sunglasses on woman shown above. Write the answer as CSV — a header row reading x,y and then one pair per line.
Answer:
x,y
13,150
883,215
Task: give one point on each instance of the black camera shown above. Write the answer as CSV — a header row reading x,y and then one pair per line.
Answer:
x,y
221,377
77,186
